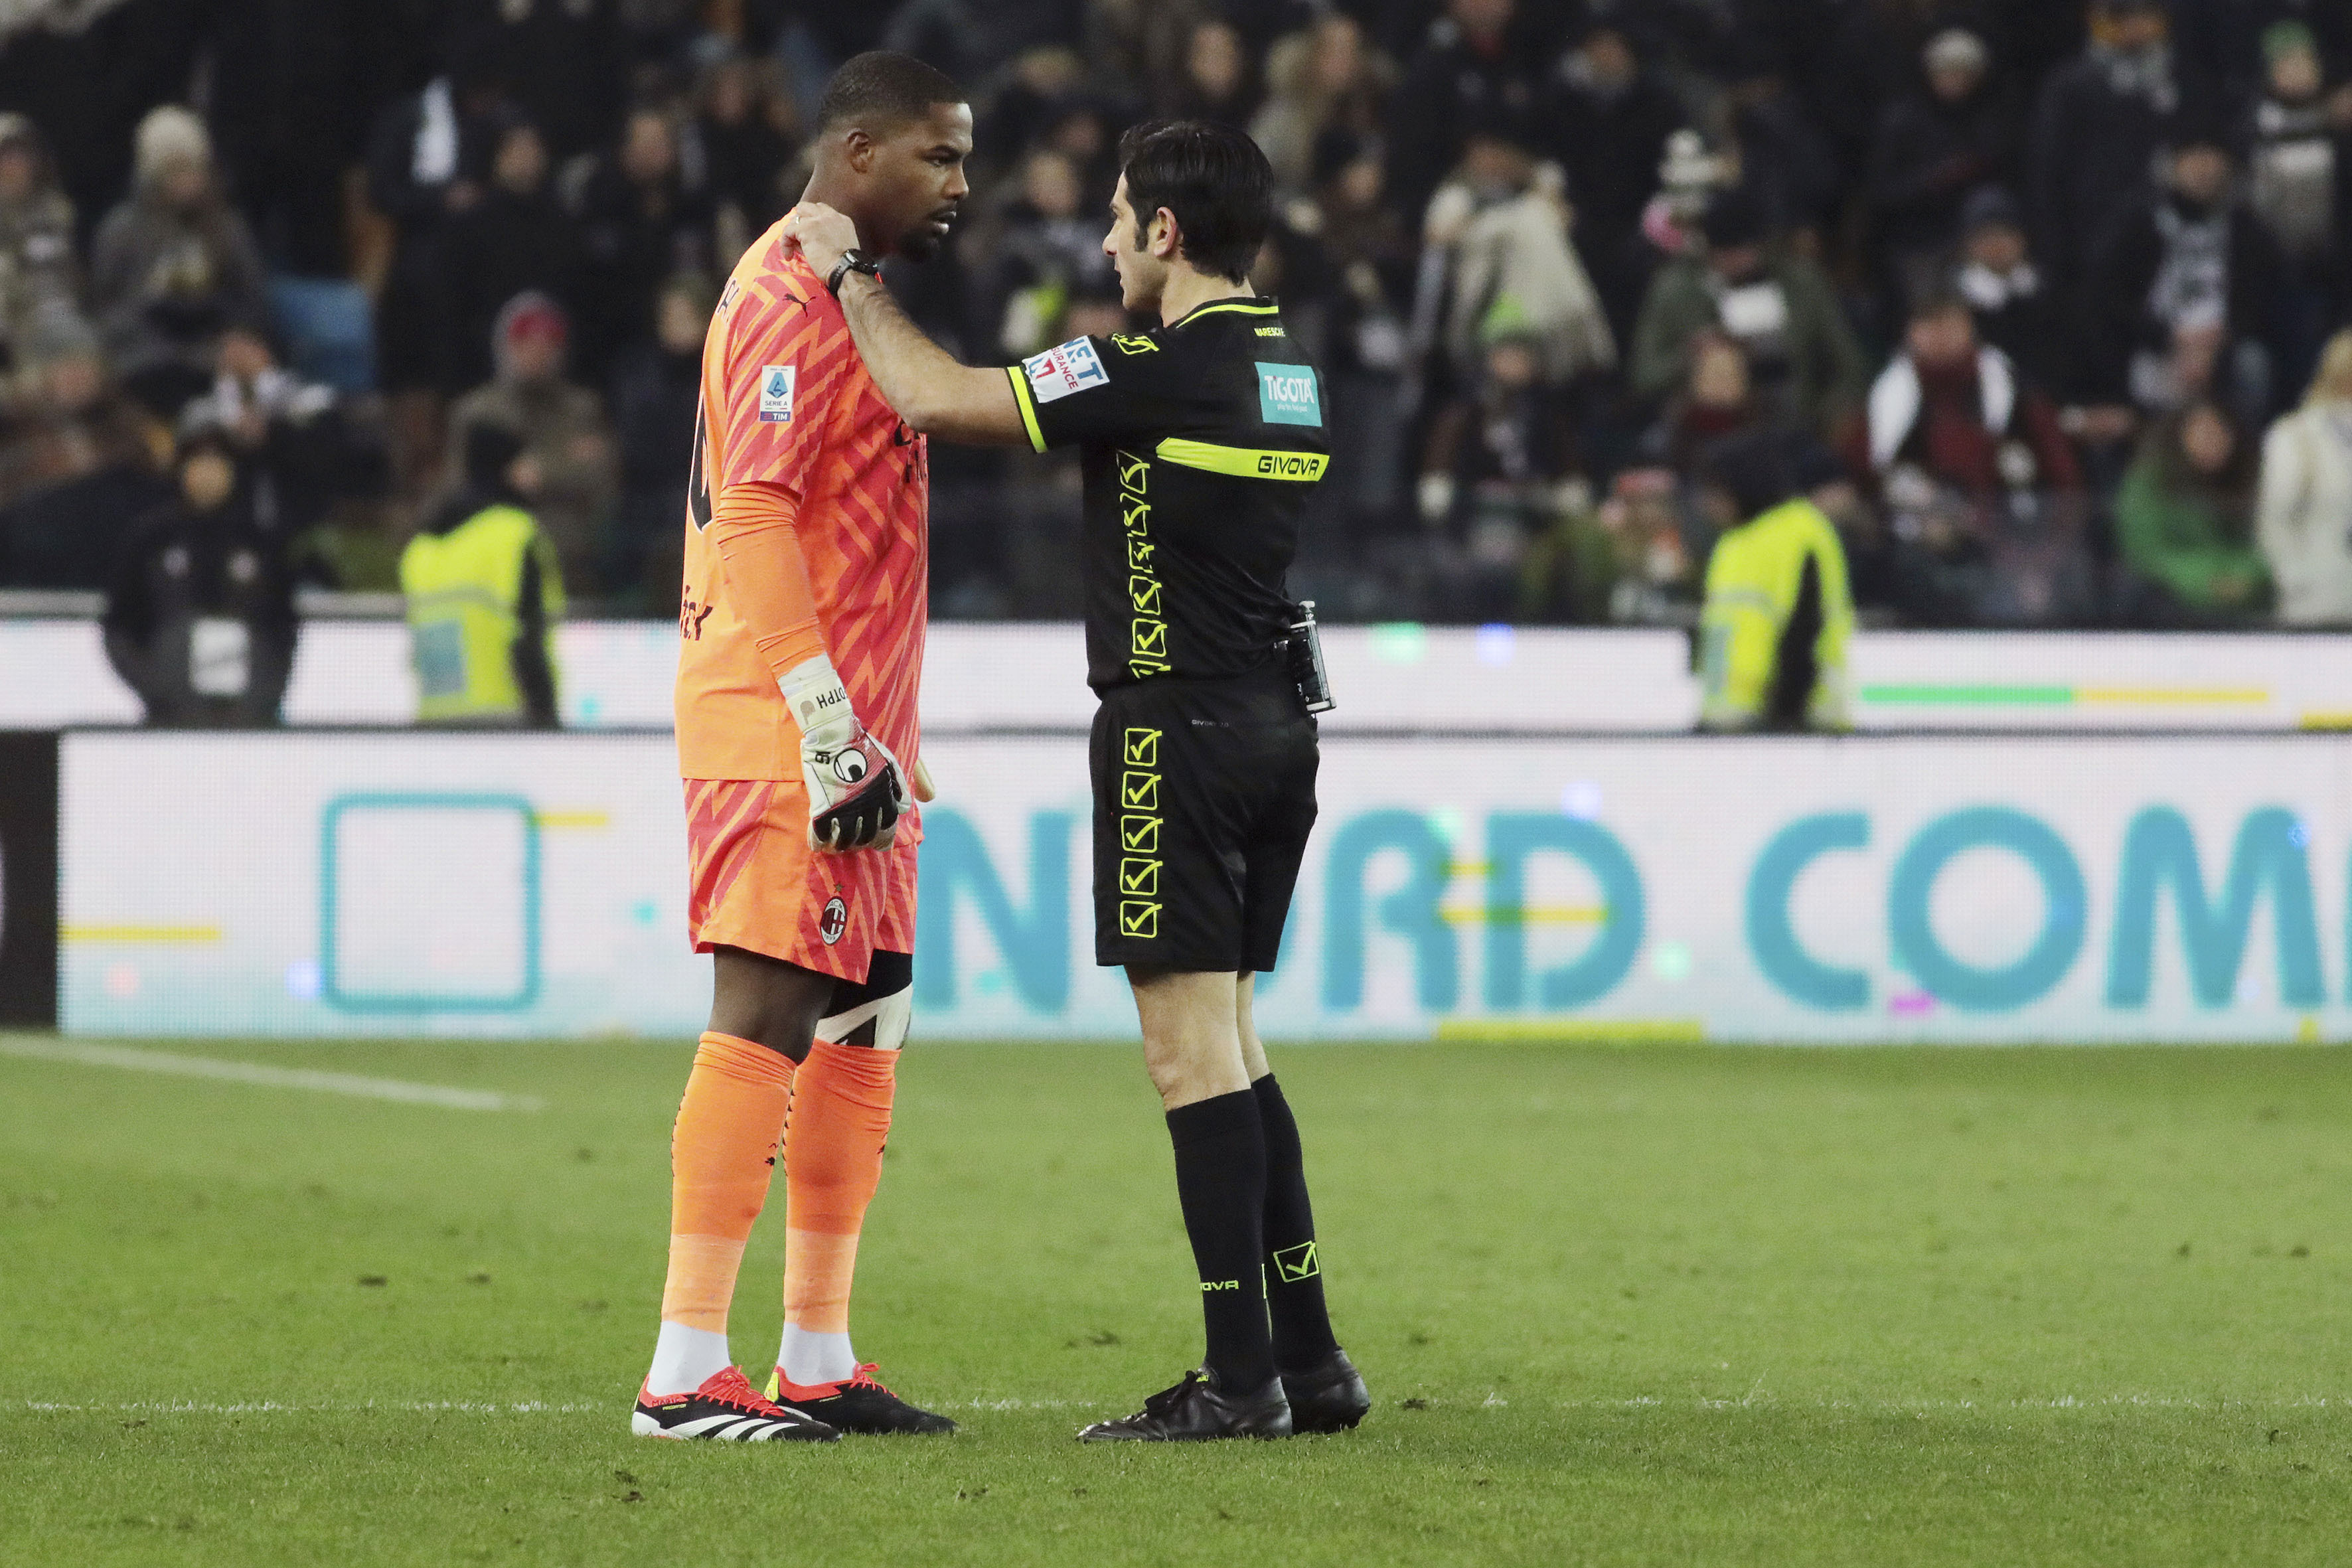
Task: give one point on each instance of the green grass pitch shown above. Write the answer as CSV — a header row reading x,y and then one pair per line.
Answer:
x,y
1657,1305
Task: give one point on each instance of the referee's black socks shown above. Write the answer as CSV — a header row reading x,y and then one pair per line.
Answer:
x,y
1294,1275
1221,1180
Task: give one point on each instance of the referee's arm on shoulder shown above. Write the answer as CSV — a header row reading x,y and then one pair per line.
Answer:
x,y
932,393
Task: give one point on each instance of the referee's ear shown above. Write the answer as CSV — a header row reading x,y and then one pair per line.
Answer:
x,y
1165,239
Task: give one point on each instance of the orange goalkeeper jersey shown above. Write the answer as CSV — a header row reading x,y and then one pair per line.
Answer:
x,y
804,530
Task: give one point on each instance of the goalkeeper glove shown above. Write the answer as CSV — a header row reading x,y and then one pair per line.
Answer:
x,y
856,791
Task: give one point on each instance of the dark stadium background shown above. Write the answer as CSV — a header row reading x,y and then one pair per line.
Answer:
x,y
1516,404
338,1057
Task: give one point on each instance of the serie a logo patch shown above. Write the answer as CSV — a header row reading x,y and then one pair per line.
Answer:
x,y
777,383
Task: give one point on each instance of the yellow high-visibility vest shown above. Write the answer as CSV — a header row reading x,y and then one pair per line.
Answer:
x,y
465,592
1753,579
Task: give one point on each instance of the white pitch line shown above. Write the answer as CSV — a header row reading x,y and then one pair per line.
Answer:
x,y
1878,1407
277,1407
1945,1406
428,1406
352,1084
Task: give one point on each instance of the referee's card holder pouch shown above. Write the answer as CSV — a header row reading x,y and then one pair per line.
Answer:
x,y
1307,660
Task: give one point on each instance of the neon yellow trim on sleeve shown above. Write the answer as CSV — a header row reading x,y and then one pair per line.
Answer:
x,y
1028,408
1304,468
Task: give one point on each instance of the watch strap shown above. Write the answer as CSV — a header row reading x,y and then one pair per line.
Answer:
x,y
851,261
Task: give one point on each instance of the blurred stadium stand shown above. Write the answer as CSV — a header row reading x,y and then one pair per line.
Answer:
x,y
1545,249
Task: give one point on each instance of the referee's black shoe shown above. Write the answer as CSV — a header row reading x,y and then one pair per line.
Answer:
x,y
1197,1411
1329,1396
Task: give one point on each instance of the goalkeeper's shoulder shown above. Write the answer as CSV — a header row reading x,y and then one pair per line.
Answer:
x,y
771,275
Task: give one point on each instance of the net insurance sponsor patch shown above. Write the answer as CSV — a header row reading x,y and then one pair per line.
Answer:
x,y
1057,373
1287,396
776,383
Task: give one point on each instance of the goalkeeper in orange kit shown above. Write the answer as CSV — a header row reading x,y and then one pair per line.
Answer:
x,y
802,624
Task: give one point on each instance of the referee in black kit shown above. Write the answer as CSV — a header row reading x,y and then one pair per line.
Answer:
x,y
1202,440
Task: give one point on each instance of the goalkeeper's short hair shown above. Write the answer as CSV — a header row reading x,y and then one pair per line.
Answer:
x,y
879,92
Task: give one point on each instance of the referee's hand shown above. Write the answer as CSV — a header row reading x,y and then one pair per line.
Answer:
x,y
821,234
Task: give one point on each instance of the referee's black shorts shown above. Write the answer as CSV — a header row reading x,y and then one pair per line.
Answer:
x,y
1204,795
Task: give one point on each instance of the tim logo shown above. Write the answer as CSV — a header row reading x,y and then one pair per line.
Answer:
x,y
833,922
777,384
690,616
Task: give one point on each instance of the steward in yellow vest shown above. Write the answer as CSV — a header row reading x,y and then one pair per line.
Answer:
x,y
483,590
1779,608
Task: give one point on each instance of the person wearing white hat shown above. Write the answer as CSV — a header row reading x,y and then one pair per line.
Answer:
x,y
173,267
1958,131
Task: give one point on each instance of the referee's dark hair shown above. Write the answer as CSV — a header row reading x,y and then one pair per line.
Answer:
x,y
1216,182
879,90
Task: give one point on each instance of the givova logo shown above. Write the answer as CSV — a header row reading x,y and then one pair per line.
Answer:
x,y
1287,395
1291,465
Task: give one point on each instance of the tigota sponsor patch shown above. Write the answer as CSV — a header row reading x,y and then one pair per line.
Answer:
x,y
1287,395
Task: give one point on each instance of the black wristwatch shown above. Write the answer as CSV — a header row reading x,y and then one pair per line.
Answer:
x,y
852,261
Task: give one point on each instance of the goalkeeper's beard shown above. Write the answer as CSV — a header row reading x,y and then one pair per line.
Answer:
x,y
928,238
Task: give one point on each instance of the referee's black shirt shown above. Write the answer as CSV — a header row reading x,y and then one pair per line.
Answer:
x,y
1201,441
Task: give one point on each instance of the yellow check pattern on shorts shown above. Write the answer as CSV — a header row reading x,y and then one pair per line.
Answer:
x,y
1138,834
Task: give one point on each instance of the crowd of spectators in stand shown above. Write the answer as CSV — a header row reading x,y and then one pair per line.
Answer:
x,y
2042,295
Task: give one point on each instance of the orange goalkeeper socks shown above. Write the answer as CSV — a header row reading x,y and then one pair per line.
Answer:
x,y
723,1153
833,1163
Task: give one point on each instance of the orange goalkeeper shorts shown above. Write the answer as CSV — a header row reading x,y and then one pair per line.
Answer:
x,y
756,884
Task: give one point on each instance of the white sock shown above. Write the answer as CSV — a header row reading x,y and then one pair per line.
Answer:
x,y
808,1358
684,1358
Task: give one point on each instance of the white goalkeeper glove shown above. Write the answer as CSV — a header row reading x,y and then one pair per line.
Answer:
x,y
856,790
